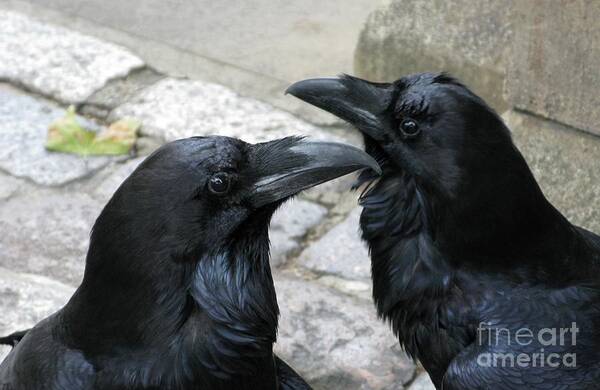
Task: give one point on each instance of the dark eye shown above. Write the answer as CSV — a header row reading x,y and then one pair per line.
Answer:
x,y
409,128
219,183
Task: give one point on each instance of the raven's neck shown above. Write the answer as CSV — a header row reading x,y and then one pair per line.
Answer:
x,y
234,288
213,318
406,266
418,257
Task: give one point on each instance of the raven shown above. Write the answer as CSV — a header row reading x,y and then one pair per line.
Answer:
x,y
471,264
177,291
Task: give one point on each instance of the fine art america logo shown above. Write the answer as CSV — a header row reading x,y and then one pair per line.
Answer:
x,y
525,347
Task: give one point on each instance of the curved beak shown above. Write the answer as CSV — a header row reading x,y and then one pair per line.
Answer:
x,y
287,166
359,102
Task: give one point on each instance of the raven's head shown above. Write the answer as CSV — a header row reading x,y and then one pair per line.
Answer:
x,y
456,148
430,125
194,194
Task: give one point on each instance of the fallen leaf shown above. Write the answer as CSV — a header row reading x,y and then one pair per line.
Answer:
x,y
66,135
118,138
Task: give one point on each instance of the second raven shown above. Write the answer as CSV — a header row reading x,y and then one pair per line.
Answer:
x,y
482,279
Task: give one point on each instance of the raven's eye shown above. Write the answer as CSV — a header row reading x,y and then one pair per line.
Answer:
x,y
219,183
409,128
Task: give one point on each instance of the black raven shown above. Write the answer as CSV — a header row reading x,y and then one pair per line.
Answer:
x,y
177,292
472,266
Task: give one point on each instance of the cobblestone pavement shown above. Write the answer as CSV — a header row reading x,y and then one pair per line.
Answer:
x,y
48,201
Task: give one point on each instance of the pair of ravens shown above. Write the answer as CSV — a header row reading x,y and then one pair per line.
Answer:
x,y
470,262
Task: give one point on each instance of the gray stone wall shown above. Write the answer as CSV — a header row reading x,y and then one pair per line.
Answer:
x,y
555,69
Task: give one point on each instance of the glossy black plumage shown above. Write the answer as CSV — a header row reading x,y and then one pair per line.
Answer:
x,y
463,243
177,291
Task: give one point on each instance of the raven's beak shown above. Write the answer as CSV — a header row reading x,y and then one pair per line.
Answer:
x,y
359,102
287,166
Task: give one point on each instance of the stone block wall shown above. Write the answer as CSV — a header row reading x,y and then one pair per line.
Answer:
x,y
555,67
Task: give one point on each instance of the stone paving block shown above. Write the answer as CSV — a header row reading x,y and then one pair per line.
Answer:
x,y
117,92
335,341
358,288
8,186
177,108
58,62
422,382
24,122
329,193
27,299
289,224
47,233
340,252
